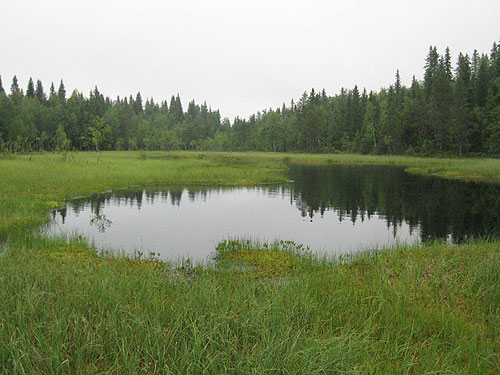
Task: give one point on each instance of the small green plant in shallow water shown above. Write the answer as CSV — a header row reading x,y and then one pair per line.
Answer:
x,y
278,258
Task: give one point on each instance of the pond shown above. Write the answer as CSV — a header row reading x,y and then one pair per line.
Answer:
x,y
331,209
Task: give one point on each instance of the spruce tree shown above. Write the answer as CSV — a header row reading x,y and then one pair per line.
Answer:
x,y
431,64
414,88
441,100
176,108
61,92
30,90
14,87
447,63
463,102
39,94
138,104
52,90
1,87
482,81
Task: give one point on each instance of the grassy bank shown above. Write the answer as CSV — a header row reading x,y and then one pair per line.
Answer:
x,y
261,309
430,310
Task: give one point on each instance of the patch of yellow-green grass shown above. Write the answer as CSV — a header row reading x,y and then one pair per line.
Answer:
x,y
263,260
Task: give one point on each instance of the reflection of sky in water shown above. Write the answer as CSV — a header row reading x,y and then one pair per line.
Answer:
x,y
194,224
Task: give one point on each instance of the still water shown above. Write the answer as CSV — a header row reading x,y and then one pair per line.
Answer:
x,y
331,209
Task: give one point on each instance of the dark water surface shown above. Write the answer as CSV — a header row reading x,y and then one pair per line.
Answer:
x,y
333,209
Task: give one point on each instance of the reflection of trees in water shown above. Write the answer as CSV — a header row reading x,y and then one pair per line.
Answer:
x,y
101,222
439,207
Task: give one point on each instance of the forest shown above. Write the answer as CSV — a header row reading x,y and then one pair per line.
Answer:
x,y
454,110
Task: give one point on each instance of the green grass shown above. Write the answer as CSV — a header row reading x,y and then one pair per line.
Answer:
x,y
260,309
407,310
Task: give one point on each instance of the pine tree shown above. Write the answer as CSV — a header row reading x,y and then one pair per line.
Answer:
x,y
492,109
397,110
176,108
30,90
414,88
1,87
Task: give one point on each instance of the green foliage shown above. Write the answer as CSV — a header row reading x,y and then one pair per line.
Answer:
x,y
448,112
62,141
98,133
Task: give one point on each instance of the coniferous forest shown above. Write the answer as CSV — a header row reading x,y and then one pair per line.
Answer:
x,y
454,110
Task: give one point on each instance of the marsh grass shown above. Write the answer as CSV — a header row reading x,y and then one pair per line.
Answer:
x,y
430,309
260,309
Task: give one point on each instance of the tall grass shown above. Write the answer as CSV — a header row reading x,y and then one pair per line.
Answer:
x,y
410,310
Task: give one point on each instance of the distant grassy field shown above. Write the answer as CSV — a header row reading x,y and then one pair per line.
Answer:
x,y
261,309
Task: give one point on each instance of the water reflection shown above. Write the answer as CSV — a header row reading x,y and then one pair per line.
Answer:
x,y
440,208
331,208
101,222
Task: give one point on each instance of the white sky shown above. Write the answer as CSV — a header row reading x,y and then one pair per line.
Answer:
x,y
240,57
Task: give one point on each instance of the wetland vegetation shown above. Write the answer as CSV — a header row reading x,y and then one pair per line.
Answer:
x,y
260,308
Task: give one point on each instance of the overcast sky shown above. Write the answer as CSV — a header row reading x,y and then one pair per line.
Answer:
x,y
239,56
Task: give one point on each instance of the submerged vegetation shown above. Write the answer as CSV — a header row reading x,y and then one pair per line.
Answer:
x,y
259,308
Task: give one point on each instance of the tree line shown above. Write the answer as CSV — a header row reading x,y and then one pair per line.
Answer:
x,y
453,110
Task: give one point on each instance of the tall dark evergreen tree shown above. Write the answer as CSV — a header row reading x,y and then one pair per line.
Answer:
x,y
447,63
431,66
52,90
39,94
463,103
30,90
138,104
14,87
61,92
441,100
